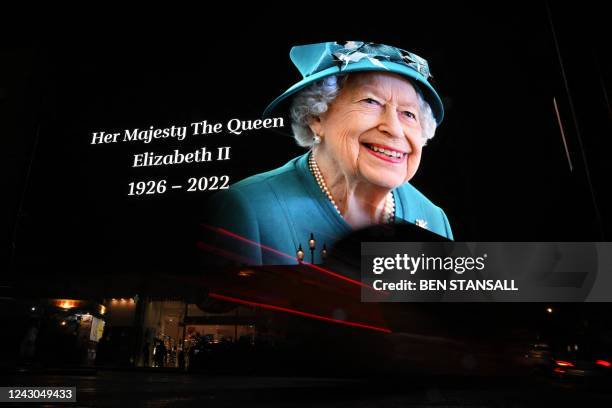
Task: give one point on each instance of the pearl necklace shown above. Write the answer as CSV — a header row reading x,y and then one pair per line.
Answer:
x,y
389,212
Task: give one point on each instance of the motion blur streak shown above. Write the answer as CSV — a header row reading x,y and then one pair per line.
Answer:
x,y
267,248
297,312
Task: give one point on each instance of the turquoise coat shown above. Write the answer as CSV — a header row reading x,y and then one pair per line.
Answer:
x,y
269,215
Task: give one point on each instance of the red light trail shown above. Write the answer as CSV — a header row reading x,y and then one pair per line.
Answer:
x,y
275,251
297,312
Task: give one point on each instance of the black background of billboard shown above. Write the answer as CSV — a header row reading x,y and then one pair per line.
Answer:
x,y
497,164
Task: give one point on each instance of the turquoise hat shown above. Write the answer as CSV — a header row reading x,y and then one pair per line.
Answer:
x,y
316,61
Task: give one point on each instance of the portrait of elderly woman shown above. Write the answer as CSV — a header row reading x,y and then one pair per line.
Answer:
x,y
364,112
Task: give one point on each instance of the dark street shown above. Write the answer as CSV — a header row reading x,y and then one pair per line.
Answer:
x,y
152,389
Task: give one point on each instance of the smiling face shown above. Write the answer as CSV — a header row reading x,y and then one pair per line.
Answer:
x,y
372,131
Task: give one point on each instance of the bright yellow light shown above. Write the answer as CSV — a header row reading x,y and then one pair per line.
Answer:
x,y
549,309
63,323
66,303
102,309
245,273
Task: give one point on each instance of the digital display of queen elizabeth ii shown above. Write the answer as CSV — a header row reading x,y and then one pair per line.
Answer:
x,y
364,113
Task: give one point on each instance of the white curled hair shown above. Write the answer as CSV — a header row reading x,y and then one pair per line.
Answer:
x,y
315,99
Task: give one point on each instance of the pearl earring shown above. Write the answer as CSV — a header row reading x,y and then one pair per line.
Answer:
x,y
316,139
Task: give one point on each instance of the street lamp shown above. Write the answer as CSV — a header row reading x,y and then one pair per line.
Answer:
x,y
300,254
312,244
324,252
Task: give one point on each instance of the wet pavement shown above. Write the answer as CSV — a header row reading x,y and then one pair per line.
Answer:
x,y
153,389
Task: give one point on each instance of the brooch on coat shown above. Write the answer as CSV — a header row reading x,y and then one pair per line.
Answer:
x,y
421,223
